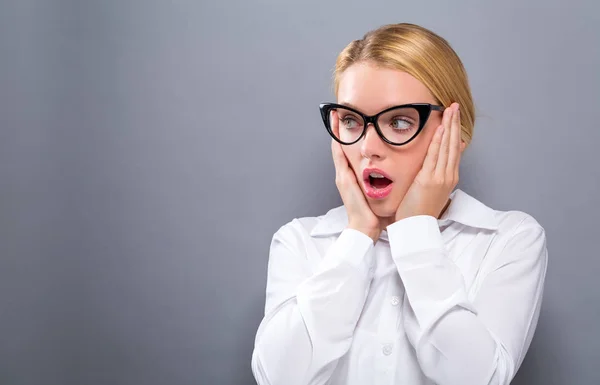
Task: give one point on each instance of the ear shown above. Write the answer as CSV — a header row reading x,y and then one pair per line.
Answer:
x,y
463,145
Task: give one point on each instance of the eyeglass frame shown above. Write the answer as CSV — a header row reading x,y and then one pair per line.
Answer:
x,y
424,110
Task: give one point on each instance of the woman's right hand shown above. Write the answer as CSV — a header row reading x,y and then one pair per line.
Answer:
x,y
360,215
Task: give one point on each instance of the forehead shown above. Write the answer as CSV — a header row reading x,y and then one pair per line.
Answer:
x,y
371,89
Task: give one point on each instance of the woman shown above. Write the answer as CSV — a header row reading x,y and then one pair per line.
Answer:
x,y
410,281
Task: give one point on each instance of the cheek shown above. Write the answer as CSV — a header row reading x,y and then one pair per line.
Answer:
x,y
353,155
429,130
433,122
410,159
408,165
424,140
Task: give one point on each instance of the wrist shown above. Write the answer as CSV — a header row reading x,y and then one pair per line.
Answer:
x,y
414,213
370,232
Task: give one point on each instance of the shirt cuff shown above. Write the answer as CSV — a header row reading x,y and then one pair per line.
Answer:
x,y
352,247
414,234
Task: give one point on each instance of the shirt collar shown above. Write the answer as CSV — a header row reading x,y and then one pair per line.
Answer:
x,y
463,209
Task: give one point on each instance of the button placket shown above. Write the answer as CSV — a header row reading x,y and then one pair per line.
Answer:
x,y
388,317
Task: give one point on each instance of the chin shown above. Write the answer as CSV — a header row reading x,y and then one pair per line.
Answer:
x,y
383,208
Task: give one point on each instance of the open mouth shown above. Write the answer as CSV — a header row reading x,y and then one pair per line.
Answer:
x,y
379,182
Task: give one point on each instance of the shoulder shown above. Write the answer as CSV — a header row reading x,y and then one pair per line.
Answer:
x,y
469,210
332,222
520,237
505,227
512,222
513,241
302,229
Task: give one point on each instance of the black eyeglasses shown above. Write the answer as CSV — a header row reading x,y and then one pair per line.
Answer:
x,y
395,125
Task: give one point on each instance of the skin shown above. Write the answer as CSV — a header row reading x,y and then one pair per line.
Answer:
x,y
424,171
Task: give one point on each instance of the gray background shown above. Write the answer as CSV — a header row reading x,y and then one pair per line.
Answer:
x,y
149,150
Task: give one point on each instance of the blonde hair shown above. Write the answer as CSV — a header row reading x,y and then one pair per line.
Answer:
x,y
421,53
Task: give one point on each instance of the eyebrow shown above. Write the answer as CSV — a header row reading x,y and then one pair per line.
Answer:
x,y
347,104
383,109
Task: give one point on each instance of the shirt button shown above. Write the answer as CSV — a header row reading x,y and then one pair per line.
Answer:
x,y
387,349
395,300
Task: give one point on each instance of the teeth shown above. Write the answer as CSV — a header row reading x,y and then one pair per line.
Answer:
x,y
376,175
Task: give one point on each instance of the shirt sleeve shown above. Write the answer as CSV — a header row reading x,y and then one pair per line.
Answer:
x,y
459,341
310,316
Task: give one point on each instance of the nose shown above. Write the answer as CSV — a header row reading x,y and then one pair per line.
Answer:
x,y
372,146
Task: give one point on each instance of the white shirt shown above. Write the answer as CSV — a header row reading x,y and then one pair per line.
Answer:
x,y
453,301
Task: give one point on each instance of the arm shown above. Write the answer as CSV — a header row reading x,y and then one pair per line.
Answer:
x,y
310,317
459,341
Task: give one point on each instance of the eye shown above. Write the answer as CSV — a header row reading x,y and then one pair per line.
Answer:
x,y
402,123
348,122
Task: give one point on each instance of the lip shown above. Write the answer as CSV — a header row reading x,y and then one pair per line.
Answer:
x,y
376,193
369,170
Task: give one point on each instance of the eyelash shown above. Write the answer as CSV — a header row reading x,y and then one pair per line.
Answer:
x,y
345,118
403,119
408,121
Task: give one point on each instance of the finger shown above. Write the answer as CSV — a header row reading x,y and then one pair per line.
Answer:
x,y
440,167
454,146
335,155
333,149
334,122
433,150
339,158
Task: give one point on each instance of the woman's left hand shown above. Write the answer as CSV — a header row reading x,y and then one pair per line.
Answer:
x,y
432,186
